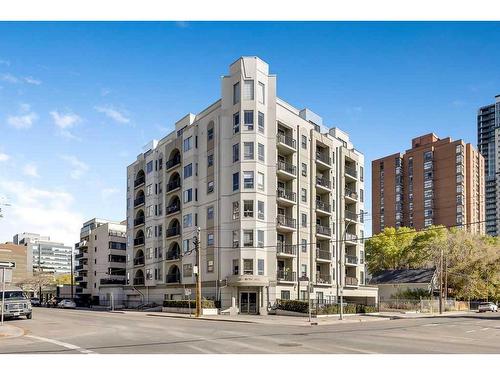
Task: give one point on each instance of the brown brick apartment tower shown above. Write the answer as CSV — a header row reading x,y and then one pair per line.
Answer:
x,y
436,182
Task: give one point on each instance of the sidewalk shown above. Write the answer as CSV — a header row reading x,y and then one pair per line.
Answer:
x,y
417,315
8,331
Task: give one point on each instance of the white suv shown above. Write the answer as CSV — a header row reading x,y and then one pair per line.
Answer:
x,y
487,306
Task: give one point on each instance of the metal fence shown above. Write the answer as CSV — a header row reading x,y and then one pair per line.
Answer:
x,y
423,305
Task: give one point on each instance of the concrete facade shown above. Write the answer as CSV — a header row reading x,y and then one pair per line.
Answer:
x,y
273,191
436,182
18,254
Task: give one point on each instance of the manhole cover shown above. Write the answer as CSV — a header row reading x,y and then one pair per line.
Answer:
x,y
290,344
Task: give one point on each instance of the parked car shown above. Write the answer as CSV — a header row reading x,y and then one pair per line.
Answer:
x,y
16,303
35,301
66,304
487,306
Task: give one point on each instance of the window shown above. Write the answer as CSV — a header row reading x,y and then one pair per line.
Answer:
x,y
261,93
260,121
260,267
149,211
247,266
149,167
160,190
236,152
248,179
248,208
260,180
210,266
304,142
149,274
303,270
236,266
236,181
149,253
248,150
303,220
149,190
188,195
210,187
210,134
248,119
261,151
248,238
260,210
304,169
187,144
187,269
187,220
210,239
188,170
303,245
248,89
236,123
185,246
236,238
236,210
210,160
361,195
285,294
236,93
260,238
210,213
149,232
303,195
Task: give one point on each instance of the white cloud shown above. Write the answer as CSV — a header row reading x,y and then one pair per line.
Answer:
x,y
65,120
113,114
105,91
44,211
9,78
31,170
5,62
32,81
108,192
79,167
24,121
4,157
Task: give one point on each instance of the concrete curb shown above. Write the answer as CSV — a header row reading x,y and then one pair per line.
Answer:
x,y
422,316
202,318
9,332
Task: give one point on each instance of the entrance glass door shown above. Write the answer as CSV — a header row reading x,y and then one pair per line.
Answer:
x,y
248,303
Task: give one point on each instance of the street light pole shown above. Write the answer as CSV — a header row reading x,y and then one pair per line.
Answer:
x,y
198,273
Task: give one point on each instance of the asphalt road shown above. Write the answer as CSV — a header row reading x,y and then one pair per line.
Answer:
x,y
87,332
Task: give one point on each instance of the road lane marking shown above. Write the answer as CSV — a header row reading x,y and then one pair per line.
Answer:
x,y
430,325
63,344
472,330
484,329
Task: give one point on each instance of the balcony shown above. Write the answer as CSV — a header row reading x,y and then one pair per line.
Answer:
x,y
139,221
139,261
172,209
173,185
138,280
113,281
172,232
139,181
173,255
286,170
139,201
78,279
323,278
352,216
173,279
323,255
351,172
285,276
83,244
323,231
285,222
351,259
323,161
350,195
139,241
323,206
350,237
79,267
174,162
286,196
286,250
323,183
286,143
79,255
351,281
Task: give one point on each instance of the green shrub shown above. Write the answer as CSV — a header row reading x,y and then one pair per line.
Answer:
x,y
293,305
205,303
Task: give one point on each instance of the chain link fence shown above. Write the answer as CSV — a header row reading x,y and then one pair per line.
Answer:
x,y
422,305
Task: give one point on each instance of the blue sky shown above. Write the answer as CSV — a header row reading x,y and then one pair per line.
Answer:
x,y
79,100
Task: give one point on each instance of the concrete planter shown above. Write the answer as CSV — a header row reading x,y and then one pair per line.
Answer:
x,y
289,313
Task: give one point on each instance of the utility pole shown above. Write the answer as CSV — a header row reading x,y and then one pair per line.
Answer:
x,y
441,283
198,273
71,262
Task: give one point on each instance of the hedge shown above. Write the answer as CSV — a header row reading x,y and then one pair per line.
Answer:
x,y
303,307
205,303
293,305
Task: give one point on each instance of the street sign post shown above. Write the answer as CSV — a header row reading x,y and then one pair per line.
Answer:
x,y
306,279
4,266
7,264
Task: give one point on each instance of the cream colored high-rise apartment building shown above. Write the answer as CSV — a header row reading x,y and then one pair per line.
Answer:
x,y
277,196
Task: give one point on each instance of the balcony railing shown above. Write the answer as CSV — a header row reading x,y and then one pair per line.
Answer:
x,y
351,171
286,194
173,255
138,221
174,231
286,221
323,254
287,167
79,267
173,162
139,261
173,208
173,279
139,201
113,281
139,241
323,279
351,215
283,275
322,181
138,280
351,237
289,141
172,185
323,158
351,259
351,193
78,278
351,280
323,206
320,229
284,248
139,181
